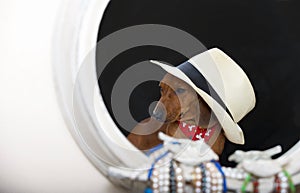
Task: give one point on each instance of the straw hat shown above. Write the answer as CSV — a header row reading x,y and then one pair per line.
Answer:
x,y
222,84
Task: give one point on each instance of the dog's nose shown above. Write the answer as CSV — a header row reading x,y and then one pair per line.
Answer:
x,y
158,114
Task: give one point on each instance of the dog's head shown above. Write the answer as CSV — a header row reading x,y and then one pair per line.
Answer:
x,y
180,102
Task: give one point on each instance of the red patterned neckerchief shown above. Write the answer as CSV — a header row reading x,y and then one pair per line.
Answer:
x,y
196,133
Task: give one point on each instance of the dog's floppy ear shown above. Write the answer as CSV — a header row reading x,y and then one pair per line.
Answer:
x,y
206,110
200,99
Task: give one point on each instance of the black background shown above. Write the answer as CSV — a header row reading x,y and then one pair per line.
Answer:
x,y
261,36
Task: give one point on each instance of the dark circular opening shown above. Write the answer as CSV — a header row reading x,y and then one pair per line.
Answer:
x,y
143,100
262,36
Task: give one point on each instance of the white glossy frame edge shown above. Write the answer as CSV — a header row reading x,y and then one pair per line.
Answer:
x,y
75,37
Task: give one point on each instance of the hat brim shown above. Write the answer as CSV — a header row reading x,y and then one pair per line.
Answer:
x,y
231,129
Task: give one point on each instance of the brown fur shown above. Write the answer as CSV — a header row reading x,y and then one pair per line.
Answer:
x,y
184,106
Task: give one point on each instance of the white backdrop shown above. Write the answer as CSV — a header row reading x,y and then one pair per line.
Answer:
x,y
37,152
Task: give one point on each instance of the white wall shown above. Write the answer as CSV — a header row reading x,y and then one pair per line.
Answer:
x,y
37,152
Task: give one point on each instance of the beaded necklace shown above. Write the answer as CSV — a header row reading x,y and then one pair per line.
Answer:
x,y
208,178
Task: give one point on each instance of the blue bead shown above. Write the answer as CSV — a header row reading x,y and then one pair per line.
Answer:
x,y
148,190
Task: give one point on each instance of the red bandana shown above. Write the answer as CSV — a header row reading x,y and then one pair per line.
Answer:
x,y
195,133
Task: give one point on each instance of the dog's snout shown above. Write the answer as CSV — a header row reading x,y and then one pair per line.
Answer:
x,y
159,113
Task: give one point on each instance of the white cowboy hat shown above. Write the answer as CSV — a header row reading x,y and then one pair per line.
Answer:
x,y
222,84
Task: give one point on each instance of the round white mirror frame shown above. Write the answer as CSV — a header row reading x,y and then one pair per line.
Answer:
x,y
75,38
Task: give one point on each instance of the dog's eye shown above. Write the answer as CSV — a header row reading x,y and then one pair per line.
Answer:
x,y
180,90
161,89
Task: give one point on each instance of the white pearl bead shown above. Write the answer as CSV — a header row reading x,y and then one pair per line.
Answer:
x,y
233,175
239,176
220,181
284,185
220,187
179,184
167,182
214,188
179,178
284,179
155,179
161,183
214,175
178,170
208,179
166,176
180,190
160,176
166,189
283,191
155,185
214,181
198,176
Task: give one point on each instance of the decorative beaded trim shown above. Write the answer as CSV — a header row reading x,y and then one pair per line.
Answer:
x,y
166,176
197,177
205,181
290,181
255,186
234,173
172,179
167,179
180,182
245,183
219,167
161,176
207,178
281,183
216,178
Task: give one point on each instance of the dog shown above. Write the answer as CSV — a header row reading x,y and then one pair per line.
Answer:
x,y
178,103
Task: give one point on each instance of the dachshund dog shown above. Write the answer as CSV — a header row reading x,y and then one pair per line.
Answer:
x,y
178,103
